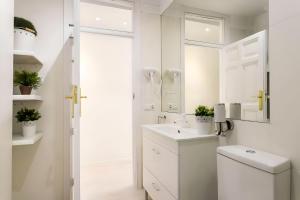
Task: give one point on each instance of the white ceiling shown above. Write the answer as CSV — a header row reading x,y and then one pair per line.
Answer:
x,y
229,7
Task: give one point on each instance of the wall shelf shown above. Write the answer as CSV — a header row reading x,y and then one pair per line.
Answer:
x,y
32,97
26,57
19,140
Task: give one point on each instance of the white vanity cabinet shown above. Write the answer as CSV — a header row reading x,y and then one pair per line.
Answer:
x,y
182,168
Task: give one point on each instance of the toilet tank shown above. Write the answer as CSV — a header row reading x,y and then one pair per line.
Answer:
x,y
249,174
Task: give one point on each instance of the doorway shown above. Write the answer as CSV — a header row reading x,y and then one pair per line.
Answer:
x,y
106,115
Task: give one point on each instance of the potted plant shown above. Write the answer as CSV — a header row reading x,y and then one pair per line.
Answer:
x,y
24,34
26,81
204,118
28,118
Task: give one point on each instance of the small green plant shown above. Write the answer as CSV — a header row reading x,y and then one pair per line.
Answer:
x,y
24,24
26,115
204,111
25,78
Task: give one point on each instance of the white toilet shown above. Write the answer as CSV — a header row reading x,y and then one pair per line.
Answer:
x,y
248,174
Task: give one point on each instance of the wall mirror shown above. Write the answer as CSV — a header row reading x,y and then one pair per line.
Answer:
x,y
216,52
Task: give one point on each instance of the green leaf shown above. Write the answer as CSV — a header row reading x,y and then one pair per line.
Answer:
x,y
24,24
25,115
202,110
26,78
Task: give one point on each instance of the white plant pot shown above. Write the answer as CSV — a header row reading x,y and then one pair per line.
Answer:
x,y
204,125
24,40
29,129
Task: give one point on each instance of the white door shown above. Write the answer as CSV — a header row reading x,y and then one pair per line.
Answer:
x,y
244,76
72,99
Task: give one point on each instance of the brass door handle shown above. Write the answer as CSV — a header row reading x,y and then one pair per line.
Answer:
x,y
73,98
260,100
83,97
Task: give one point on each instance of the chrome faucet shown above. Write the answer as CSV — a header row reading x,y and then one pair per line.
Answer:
x,y
160,117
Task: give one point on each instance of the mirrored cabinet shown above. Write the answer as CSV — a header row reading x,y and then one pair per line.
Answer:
x,y
210,57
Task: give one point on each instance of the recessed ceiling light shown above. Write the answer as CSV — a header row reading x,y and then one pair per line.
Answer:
x,y
207,29
98,19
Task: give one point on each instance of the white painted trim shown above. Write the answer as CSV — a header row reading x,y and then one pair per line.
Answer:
x,y
201,17
203,44
76,120
106,32
137,102
71,76
182,64
112,3
164,4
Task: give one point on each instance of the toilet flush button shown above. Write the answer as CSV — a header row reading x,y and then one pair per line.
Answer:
x,y
250,151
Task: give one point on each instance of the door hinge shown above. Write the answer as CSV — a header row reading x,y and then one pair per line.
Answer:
x,y
72,182
72,131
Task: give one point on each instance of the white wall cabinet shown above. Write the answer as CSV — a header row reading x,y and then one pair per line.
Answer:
x,y
183,170
243,76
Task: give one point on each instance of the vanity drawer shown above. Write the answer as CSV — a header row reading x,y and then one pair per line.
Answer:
x,y
165,142
163,164
155,188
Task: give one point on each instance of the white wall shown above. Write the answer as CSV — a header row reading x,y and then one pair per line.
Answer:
x,y
280,136
261,22
241,26
238,28
6,82
106,76
38,168
150,57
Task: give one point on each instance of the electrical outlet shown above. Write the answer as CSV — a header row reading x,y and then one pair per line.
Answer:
x,y
172,107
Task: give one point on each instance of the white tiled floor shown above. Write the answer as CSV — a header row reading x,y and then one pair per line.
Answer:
x,y
111,181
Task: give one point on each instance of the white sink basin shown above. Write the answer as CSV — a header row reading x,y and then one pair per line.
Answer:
x,y
177,133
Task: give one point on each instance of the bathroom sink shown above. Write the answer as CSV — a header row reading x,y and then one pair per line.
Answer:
x,y
177,133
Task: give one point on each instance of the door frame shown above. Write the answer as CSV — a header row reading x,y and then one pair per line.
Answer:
x,y
71,16
71,77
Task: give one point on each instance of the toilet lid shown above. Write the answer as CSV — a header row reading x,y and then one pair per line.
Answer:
x,y
259,159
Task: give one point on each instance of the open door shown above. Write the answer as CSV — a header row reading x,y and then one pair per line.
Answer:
x,y
72,99
244,76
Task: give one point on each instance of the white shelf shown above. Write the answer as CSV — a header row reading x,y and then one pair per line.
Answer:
x,y
26,57
32,97
19,140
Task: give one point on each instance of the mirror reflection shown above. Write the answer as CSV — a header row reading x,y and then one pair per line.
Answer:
x,y
216,52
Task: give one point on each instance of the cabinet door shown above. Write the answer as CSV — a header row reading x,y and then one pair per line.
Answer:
x,y
163,164
244,76
154,187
